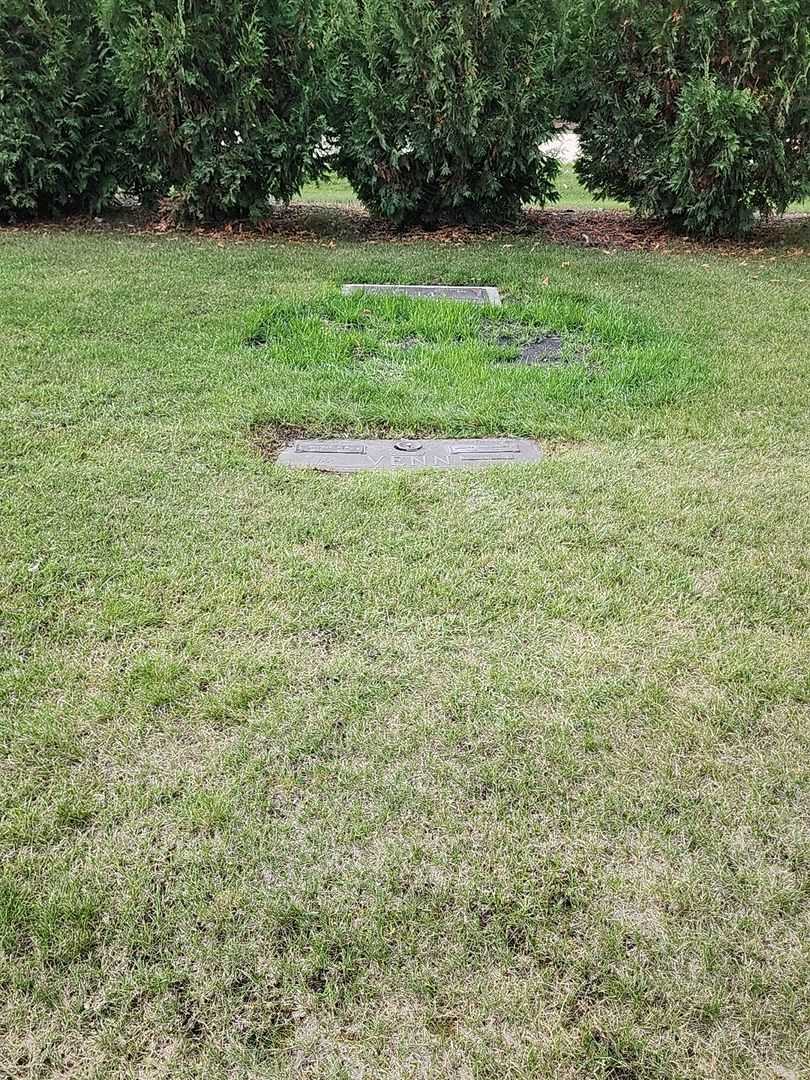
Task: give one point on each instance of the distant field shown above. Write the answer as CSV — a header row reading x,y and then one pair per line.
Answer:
x,y
572,193
333,190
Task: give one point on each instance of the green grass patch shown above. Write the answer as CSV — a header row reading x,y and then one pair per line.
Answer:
x,y
335,190
499,773
332,189
442,366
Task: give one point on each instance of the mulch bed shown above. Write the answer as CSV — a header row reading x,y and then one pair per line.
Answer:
x,y
310,223
619,230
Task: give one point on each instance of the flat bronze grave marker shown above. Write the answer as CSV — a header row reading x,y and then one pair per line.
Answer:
x,y
341,455
471,294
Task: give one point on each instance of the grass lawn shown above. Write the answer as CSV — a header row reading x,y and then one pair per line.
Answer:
x,y
572,193
333,189
492,774
336,189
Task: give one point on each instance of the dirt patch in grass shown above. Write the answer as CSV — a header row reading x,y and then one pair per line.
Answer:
x,y
548,348
269,438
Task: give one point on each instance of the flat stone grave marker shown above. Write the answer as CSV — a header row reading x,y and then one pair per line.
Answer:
x,y
361,455
472,294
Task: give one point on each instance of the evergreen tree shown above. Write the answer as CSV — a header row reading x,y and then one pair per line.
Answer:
x,y
60,121
695,111
443,106
225,98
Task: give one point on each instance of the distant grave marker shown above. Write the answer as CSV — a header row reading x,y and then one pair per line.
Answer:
x,y
341,455
471,294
